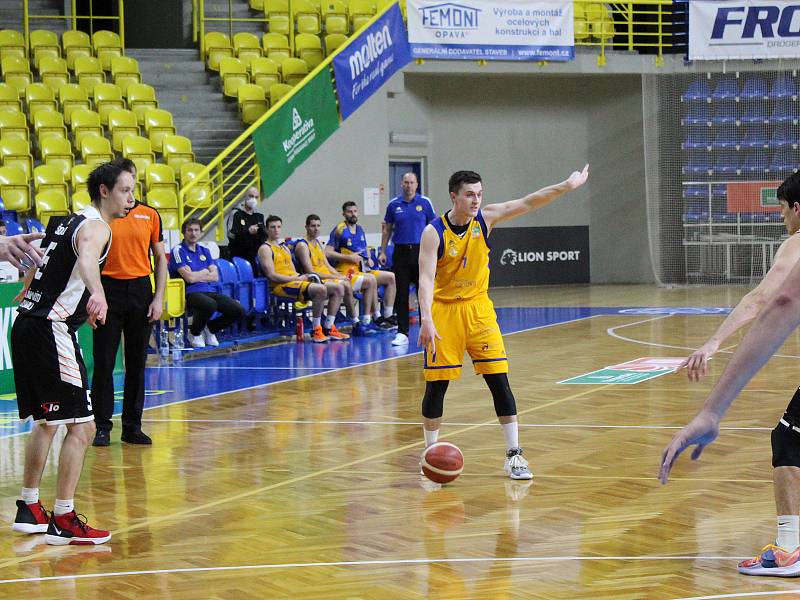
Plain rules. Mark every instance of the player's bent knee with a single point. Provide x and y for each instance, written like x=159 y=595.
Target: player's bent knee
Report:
x=785 y=446
x=504 y=403
x=433 y=400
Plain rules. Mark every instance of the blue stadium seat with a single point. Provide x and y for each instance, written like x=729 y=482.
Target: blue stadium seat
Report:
x=34 y=226
x=724 y=112
x=754 y=88
x=244 y=272
x=755 y=162
x=719 y=190
x=699 y=137
x=697 y=113
x=754 y=114
x=259 y=286
x=699 y=163
x=755 y=137
x=228 y=279
x=726 y=138
x=783 y=87
x=724 y=217
x=783 y=162
x=727 y=164
x=782 y=139
x=692 y=217
x=697 y=90
x=13 y=228
x=727 y=89
x=774 y=217
x=784 y=112
x=695 y=191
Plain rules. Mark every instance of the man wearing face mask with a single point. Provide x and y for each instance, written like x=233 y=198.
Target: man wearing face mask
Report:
x=247 y=230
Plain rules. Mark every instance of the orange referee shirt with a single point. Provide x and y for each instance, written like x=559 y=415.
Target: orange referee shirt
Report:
x=129 y=257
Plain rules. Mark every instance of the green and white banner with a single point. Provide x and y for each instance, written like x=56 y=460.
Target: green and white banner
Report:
x=295 y=131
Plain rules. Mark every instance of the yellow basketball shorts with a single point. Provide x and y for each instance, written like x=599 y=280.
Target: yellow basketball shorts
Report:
x=469 y=327
x=294 y=290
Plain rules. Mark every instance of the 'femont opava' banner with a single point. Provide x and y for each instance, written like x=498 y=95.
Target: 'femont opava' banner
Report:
x=746 y=29
x=370 y=60
x=486 y=30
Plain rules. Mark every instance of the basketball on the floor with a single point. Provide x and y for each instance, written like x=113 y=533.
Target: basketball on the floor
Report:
x=442 y=462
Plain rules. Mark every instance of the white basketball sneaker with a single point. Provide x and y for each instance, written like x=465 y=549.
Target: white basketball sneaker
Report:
x=209 y=338
x=516 y=466
x=196 y=341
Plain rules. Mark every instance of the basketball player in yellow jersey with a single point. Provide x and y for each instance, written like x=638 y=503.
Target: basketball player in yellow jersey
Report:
x=454 y=300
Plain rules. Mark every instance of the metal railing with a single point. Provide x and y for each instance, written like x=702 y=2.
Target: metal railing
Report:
x=199 y=20
x=74 y=17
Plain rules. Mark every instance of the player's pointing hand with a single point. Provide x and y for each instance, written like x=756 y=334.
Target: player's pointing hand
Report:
x=578 y=178
x=701 y=431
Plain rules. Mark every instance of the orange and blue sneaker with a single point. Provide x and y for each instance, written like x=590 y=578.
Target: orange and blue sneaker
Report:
x=335 y=334
x=317 y=335
x=773 y=561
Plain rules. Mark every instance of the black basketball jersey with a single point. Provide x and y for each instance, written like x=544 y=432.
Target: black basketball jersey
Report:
x=57 y=292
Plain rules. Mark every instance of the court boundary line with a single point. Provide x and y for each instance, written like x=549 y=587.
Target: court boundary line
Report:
x=747 y=594
x=378 y=562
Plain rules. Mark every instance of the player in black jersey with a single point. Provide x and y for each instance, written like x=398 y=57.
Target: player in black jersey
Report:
x=49 y=374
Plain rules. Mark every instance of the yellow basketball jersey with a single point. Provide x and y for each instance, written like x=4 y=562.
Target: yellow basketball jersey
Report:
x=317 y=255
x=282 y=259
x=462 y=271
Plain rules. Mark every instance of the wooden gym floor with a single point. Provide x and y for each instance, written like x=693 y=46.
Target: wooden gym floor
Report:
x=310 y=488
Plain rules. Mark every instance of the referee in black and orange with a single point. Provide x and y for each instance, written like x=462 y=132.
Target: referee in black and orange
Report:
x=132 y=309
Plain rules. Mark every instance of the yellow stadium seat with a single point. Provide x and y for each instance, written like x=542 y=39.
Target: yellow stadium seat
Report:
x=157 y=124
x=161 y=199
x=49 y=177
x=79 y=176
x=177 y=150
x=308 y=48
x=13 y=125
x=107 y=97
x=53 y=72
x=252 y=102
x=278 y=91
x=16 y=153
x=294 y=70
x=124 y=71
x=50 y=203
x=277 y=16
x=334 y=14
x=170 y=220
x=139 y=150
x=162 y=178
x=234 y=74
x=85 y=123
x=44 y=43
x=72 y=97
x=9 y=98
x=601 y=23
x=107 y=45
x=246 y=44
x=199 y=195
x=58 y=152
x=12 y=43
x=80 y=199
x=333 y=41
x=218 y=46
x=121 y=123
x=264 y=72
x=16 y=72
x=14 y=189
x=257 y=5
x=174 y=295
x=49 y=124
x=95 y=150
x=75 y=43
x=89 y=72
x=38 y=96
x=276 y=46
x=306 y=17
x=361 y=11
x=141 y=97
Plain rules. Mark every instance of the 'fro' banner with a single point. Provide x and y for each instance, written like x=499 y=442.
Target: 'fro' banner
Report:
x=492 y=30
x=370 y=60
x=295 y=131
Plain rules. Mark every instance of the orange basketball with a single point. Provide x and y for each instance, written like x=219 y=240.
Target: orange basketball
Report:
x=442 y=462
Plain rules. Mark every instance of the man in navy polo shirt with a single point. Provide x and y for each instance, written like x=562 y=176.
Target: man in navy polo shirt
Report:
x=193 y=262
x=406 y=217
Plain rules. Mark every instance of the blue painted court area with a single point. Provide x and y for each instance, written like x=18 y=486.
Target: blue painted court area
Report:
x=202 y=377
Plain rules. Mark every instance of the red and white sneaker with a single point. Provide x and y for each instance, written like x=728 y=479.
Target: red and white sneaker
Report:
x=772 y=561
x=31 y=518
x=71 y=529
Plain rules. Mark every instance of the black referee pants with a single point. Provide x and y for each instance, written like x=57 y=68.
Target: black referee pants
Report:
x=128 y=301
x=405 y=265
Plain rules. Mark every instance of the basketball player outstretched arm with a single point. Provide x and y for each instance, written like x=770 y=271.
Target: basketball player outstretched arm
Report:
x=748 y=308
x=779 y=318
x=90 y=240
x=428 y=251
x=505 y=211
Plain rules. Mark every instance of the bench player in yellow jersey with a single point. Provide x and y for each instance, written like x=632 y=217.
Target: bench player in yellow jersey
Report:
x=456 y=312
x=275 y=260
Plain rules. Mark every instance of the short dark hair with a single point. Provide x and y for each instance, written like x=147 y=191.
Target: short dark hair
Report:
x=459 y=178
x=105 y=174
x=126 y=164
x=189 y=222
x=347 y=205
x=273 y=218
x=312 y=217
x=789 y=190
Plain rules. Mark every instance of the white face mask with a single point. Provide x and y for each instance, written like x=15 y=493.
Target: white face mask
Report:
x=251 y=203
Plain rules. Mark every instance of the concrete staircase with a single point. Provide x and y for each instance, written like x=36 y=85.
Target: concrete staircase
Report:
x=11 y=15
